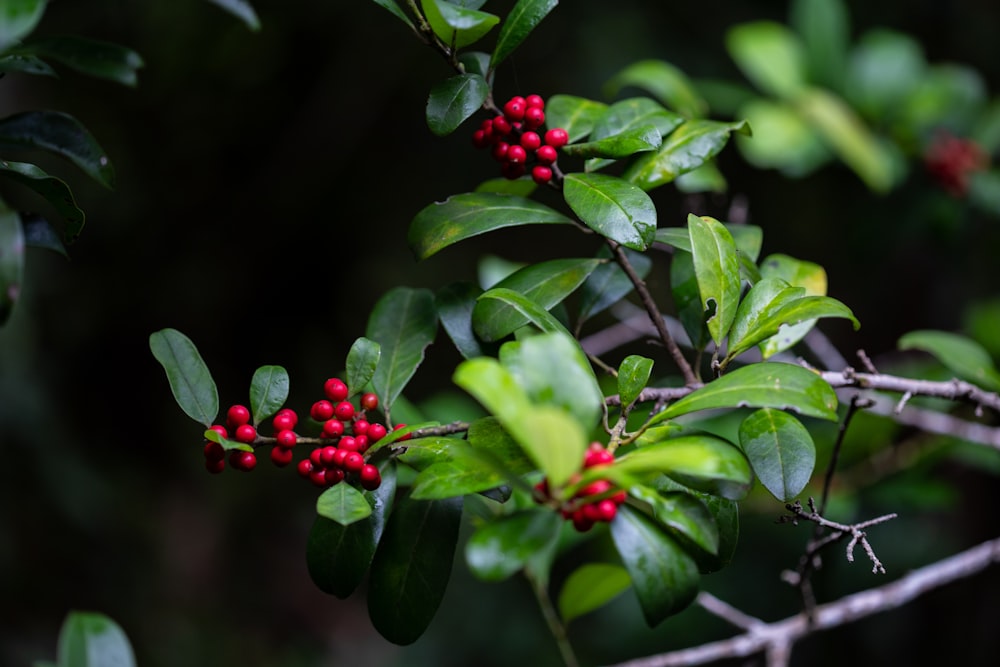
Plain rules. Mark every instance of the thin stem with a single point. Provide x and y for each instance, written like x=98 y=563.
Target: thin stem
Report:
x=552 y=619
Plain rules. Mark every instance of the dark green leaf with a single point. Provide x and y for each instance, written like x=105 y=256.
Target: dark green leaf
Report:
x=763 y=385
x=522 y=19
x=717 y=267
x=546 y=284
x=608 y=283
x=523 y=310
x=687 y=298
x=666 y=82
x=522 y=187
x=26 y=64
x=633 y=375
x=447 y=479
x=702 y=462
x=590 y=587
x=462 y=216
x=665 y=578
x=394 y=9
x=688 y=518
x=242 y=10
x=412 y=566
x=362 y=360
x=457 y=26
x=725 y=514
x=770 y=55
x=576 y=115
x=966 y=358
x=690 y=146
x=39 y=233
x=268 y=392
x=403 y=323
x=780 y=450
x=454 y=304
x=12 y=244
x=189 y=377
x=91 y=639
x=454 y=100
x=503 y=546
x=628 y=142
x=55 y=191
x=18 y=19
x=343 y=504
x=104 y=60
x=477 y=62
x=824 y=28
x=613 y=208
x=635 y=113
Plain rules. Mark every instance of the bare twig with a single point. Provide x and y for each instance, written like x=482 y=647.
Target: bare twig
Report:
x=953 y=390
x=841 y=530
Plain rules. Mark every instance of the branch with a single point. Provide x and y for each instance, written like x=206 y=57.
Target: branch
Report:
x=772 y=638
x=841 y=530
x=953 y=390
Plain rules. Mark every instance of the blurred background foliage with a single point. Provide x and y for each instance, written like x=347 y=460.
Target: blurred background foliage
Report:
x=264 y=185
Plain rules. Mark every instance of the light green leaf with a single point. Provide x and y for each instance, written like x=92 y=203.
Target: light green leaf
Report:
x=446 y=479
x=669 y=84
x=770 y=55
x=268 y=392
x=576 y=115
x=18 y=18
x=780 y=450
x=717 y=267
x=690 y=146
x=590 y=587
x=453 y=100
x=824 y=29
x=706 y=178
x=362 y=360
x=799 y=273
x=403 y=323
x=613 y=208
x=502 y=547
x=633 y=375
x=343 y=504
x=190 y=380
x=963 y=356
x=522 y=19
x=884 y=70
x=91 y=639
x=457 y=26
x=783 y=139
x=701 y=462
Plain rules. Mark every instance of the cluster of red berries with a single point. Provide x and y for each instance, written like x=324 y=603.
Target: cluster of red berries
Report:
x=950 y=160
x=516 y=141
x=597 y=501
x=345 y=436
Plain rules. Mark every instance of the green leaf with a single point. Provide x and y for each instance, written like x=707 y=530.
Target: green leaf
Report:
x=91 y=639
x=242 y=10
x=55 y=191
x=665 y=578
x=189 y=377
x=717 y=267
x=780 y=450
x=824 y=29
x=447 y=479
x=783 y=138
x=454 y=304
x=12 y=246
x=633 y=375
x=702 y=462
x=669 y=84
x=504 y=546
x=462 y=216
x=624 y=130
x=338 y=556
x=966 y=358
x=613 y=208
x=103 y=60
x=457 y=26
x=26 y=64
x=725 y=517
x=763 y=385
x=690 y=146
x=811 y=277
x=706 y=178
x=546 y=284
x=770 y=55
x=885 y=68
x=629 y=142
x=453 y=100
x=412 y=566
x=608 y=283
x=590 y=587
x=343 y=504
x=18 y=19
x=215 y=436
x=268 y=392
x=522 y=19
x=403 y=323
x=523 y=310
x=395 y=10
x=684 y=515
x=362 y=360
x=687 y=298
x=522 y=187
x=576 y=115
x=39 y=233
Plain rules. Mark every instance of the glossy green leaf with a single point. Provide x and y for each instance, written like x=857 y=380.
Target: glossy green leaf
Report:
x=412 y=566
x=403 y=323
x=189 y=377
x=104 y=60
x=343 y=504
x=393 y=8
x=635 y=113
x=457 y=26
x=39 y=233
x=613 y=208
x=807 y=275
x=824 y=29
x=783 y=139
x=664 y=576
x=687 y=298
x=454 y=304
x=522 y=187
x=522 y=19
x=608 y=283
x=55 y=191
x=770 y=55
x=522 y=310
x=268 y=392
x=629 y=142
x=686 y=517
x=338 y=556
x=215 y=436
x=666 y=82
x=748 y=238
x=453 y=100
x=546 y=284
x=502 y=453
x=61 y=134
x=763 y=385
x=12 y=247
x=590 y=587
x=462 y=216
x=702 y=462
x=690 y=146
x=502 y=547
x=725 y=514
x=447 y=479
x=18 y=19
x=242 y=10
x=961 y=355
x=717 y=268
x=780 y=450
x=362 y=360
x=91 y=639
x=576 y=115
x=633 y=376
x=423 y=452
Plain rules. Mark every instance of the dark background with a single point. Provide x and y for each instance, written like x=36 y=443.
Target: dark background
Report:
x=264 y=187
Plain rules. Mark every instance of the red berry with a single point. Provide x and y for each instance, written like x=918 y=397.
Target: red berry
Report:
x=246 y=433
x=221 y=430
x=333 y=428
x=369 y=401
x=375 y=432
x=285 y=420
x=338 y=458
x=353 y=462
x=305 y=467
x=281 y=456
x=500 y=151
x=619 y=498
x=315 y=455
x=215 y=467
x=362 y=443
x=581 y=522
x=237 y=415
x=534 y=101
x=516 y=154
x=318 y=476
x=533 y=118
x=595 y=488
x=543 y=490
x=360 y=426
x=334 y=476
x=546 y=154
x=501 y=127
x=557 y=137
x=370 y=477
x=541 y=174
x=326 y=455
x=214 y=451
x=480 y=139
x=349 y=443
x=344 y=411
x=514 y=109
x=335 y=389
x=405 y=437
x=598 y=457
x=241 y=460
x=606 y=510
x=591 y=513
x=286 y=438
x=531 y=141
x=321 y=410
x=512 y=170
